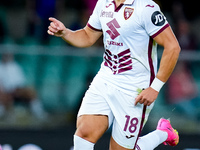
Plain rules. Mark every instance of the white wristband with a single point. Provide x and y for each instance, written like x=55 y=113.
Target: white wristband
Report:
x=157 y=84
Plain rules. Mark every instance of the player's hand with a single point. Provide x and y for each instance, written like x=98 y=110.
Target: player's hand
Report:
x=146 y=97
x=56 y=28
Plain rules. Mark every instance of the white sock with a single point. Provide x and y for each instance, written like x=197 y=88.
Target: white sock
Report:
x=82 y=144
x=151 y=140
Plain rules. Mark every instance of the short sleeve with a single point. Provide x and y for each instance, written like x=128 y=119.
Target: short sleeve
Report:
x=94 y=21
x=153 y=20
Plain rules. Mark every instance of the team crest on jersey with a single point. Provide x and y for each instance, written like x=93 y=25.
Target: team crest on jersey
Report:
x=128 y=12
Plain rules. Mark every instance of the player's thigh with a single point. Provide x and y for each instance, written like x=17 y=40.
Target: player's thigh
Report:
x=115 y=146
x=91 y=127
x=128 y=118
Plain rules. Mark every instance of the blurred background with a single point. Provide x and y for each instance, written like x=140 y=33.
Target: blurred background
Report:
x=43 y=79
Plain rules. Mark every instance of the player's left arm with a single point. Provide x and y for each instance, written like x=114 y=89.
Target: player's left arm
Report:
x=168 y=61
x=170 y=54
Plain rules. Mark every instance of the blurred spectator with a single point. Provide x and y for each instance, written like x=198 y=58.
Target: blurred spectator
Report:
x=13 y=89
x=186 y=39
x=38 y=13
x=11 y=79
x=11 y=76
x=183 y=91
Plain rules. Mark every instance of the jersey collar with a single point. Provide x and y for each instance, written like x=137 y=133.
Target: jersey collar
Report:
x=128 y=2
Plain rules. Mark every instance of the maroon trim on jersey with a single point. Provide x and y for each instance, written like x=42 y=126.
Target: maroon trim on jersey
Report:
x=161 y=30
x=141 y=125
x=152 y=76
x=117 y=8
x=150 y=60
x=91 y=27
x=137 y=147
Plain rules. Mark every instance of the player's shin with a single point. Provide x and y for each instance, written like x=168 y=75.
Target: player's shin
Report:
x=82 y=144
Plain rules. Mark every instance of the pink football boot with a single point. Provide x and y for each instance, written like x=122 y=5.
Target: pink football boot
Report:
x=173 y=138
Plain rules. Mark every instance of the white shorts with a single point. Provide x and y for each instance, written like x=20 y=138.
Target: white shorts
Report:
x=127 y=119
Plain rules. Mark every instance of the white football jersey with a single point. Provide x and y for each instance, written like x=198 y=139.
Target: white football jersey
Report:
x=130 y=58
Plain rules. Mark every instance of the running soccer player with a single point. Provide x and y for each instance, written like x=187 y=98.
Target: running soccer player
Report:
x=125 y=88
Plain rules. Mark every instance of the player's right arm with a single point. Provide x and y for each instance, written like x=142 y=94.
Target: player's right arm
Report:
x=85 y=37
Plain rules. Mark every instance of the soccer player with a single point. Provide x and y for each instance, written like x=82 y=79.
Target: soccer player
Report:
x=125 y=88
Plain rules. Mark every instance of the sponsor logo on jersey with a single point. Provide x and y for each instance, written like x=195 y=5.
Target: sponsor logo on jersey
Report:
x=131 y=136
x=118 y=63
x=108 y=5
x=114 y=43
x=113 y=25
x=107 y=14
x=152 y=6
x=128 y=12
x=158 y=18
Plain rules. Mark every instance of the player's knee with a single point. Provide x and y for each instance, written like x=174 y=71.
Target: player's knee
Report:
x=83 y=131
x=89 y=133
x=91 y=128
